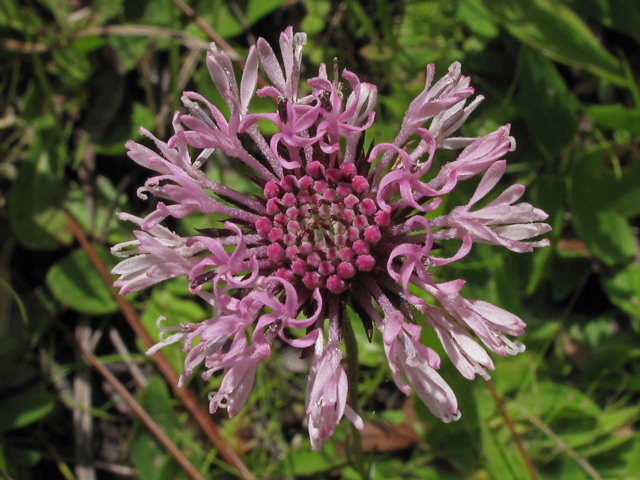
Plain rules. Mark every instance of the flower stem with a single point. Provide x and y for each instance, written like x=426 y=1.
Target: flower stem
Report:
x=351 y=345
x=512 y=430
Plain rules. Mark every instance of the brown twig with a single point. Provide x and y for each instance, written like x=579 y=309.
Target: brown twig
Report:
x=211 y=33
x=82 y=420
x=187 y=397
x=4 y=474
x=512 y=430
x=217 y=39
x=11 y=45
x=152 y=426
x=188 y=65
x=121 y=348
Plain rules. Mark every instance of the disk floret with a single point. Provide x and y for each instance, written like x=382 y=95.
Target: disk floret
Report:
x=323 y=227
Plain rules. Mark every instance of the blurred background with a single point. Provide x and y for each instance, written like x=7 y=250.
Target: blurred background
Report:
x=77 y=79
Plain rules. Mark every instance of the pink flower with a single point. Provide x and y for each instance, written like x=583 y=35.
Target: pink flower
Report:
x=327 y=388
x=239 y=375
x=465 y=353
x=488 y=322
x=160 y=255
x=336 y=121
x=334 y=227
x=412 y=359
x=499 y=222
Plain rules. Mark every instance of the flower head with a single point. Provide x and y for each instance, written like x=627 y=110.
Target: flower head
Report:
x=335 y=226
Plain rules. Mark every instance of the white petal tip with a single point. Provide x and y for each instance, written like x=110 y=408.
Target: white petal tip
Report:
x=300 y=38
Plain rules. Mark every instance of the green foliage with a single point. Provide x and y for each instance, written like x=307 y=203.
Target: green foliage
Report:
x=544 y=95
x=152 y=462
x=623 y=287
x=557 y=31
x=73 y=282
x=178 y=309
x=113 y=143
x=37 y=193
x=25 y=408
x=77 y=81
x=597 y=195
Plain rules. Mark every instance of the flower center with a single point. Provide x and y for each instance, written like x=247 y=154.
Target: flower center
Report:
x=322 y=227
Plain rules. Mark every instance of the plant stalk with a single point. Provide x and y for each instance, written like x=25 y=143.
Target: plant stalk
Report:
x=351 y=345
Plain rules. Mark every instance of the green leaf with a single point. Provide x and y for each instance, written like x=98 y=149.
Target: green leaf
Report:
x=149 y=457
x=72 y=66
x=489 y=275
x=626 y=191
x=34 y=202
x=611 y=420
x=14 y=14
x=615 y=117
x=544 y=95
x=606 y=446
x=25 y=408
x=159 y=13
x=59 y=8
x=506 y=277
x=567 y=275
x=570 y=470
x=75 y=282
x=362 y=19
x=615 y=238
x=306 y=462
x=315 y=19
x=88 y=44
x=549 y=194
x=623 y=288
x=218 y=14
x=106 y=199
x=141 y=116
x=107 y=8
x=177 y=310
x=12 y=375
x=633 y=467
x=612 y=366
x=151 y=460
x=475 y=16
x=625 y=16
x=131 y=50
x=559 y=33
x=599 y=331
x=7 y=296
x=257 y=9
x=390 y=468
x=509 y=374
x=555 y=400
x=377 y=52
x=594 y=192
x=428 y=32
x=503 y=459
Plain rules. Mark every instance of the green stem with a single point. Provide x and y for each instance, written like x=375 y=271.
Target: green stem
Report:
x=351 y=345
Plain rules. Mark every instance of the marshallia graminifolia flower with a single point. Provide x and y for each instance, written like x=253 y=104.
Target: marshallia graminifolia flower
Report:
x=337 y=225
